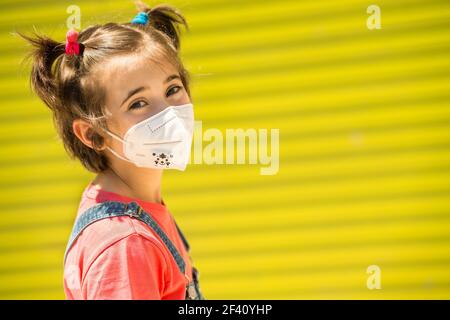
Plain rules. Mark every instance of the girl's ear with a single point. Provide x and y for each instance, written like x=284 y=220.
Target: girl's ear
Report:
x=84 y=131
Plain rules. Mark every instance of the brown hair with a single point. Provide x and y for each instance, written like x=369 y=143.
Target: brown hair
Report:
x=63 y=83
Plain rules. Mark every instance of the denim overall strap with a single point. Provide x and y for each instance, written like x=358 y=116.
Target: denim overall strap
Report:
x=110 y=209
x=185 y=242
x=194 y=286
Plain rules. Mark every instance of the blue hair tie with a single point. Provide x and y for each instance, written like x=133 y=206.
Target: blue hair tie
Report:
x=140 y=18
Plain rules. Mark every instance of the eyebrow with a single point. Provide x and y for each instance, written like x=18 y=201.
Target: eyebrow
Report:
x=137 y=90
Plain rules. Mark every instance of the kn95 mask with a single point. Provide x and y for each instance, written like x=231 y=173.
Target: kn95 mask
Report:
x=162 y=141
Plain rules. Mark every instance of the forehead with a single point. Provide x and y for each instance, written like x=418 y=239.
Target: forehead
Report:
x=121 y=74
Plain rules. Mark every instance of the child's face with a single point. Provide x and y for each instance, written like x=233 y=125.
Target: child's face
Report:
x=137 y=88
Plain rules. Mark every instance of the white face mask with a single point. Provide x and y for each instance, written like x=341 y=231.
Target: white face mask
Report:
x=162 y=141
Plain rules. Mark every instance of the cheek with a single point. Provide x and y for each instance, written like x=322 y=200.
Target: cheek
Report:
x=184 y=97
x=126 y=122
x=119 y=124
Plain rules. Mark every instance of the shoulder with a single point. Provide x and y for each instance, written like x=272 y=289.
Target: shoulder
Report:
x=111 y=235
x=132 y=248
x=129 y=268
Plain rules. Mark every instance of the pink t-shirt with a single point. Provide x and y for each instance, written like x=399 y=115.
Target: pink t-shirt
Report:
x=123 y=258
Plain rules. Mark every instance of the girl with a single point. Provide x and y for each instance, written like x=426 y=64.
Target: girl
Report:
x=121 y=103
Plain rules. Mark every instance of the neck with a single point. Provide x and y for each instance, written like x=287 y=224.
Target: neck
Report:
x=131 y=181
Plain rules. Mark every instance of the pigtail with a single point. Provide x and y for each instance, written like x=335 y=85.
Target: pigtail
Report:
x=166 y=19
x=44 y=55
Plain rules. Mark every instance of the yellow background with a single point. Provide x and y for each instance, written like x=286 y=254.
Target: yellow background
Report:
x=364 y=179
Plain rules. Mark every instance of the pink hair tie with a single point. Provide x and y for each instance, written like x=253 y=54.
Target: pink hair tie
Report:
x=72 y=44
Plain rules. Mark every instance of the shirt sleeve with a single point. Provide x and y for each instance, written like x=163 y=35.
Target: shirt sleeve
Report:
x=131 y=268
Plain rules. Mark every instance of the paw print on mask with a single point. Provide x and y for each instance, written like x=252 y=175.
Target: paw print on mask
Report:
x=162 y=159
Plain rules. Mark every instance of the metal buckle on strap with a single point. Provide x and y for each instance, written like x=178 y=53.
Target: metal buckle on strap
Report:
x=132 y=209
x=136 y=214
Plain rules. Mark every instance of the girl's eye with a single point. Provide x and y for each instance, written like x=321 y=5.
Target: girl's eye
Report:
x=178 y=88
x=138 y=104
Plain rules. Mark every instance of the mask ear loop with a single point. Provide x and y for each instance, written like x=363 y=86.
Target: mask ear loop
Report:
x=118 y=155
x=112 y=151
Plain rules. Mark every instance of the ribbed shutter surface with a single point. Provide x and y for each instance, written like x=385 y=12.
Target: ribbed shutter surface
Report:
x=364 y=175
